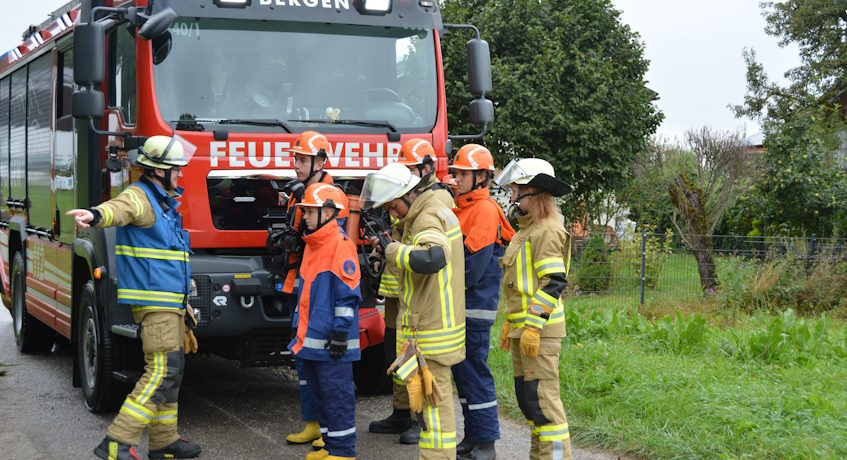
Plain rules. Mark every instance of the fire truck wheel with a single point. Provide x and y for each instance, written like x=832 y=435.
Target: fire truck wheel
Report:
x=31 y=335
x=94 y=355
x=369 y=372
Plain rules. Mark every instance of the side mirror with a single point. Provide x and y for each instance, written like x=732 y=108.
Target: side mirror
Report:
x=479 y=67
x=89 y=54
x=161 y=47
x=481 y=112
x=157 y=24
x=88 y=103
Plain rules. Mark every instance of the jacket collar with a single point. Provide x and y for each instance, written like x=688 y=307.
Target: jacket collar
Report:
x=322 y=235
x=525 y=222
x=467 y=199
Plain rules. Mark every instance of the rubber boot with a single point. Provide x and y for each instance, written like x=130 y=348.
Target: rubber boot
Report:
x=317 y=454
x=399 y=421
x=412 y=435
x=481 y=451
x=465 y=446
x=119 y=450
x=177 y=449
x=310 y=432
x=318 y=444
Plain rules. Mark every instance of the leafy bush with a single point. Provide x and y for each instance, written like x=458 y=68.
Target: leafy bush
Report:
x=681 y=335
x=594 y=270
x=656 y=248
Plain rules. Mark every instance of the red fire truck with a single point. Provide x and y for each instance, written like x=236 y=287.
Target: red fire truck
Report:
x=238 y=79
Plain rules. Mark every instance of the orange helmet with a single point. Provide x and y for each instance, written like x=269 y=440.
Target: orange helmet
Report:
x=415 y=151
x=473 y=157
x=311 y=143
x=320 y=195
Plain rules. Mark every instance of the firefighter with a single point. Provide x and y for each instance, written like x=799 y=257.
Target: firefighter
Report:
x=310 y=152
x=400 y=419
x=535 y=268
x=432 y=309
x=327 y=340
x=418 y=156
x=153 y=272
x=486 y=232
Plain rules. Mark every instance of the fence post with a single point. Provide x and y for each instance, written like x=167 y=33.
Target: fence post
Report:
x=643 y=262
x=811 y=255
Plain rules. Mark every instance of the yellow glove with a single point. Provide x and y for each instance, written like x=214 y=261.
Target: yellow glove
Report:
x=190 y=342
x=530 y=341
x=429 y=384
x=505 y=341
x=430 y=387
x=413 y=386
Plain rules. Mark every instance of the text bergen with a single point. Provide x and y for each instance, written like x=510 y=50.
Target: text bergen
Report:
x=252 y=154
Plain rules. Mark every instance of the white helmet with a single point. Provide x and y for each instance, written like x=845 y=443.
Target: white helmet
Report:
x=534 y=172
x=389 y=183
x=165 y=152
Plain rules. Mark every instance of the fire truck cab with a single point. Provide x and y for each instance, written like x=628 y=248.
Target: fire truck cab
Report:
x=238 y=80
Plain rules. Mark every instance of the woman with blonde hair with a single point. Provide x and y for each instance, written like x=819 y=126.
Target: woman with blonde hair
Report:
x=535 y=268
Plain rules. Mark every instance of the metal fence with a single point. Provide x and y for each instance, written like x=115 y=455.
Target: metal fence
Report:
x=608 y=269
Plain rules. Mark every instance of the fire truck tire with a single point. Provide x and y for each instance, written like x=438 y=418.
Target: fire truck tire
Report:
x=31 y=335
x=95 y=357
x=369 y=372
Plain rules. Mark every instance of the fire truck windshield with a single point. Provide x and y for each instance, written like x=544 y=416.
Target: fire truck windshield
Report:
x=304 y=74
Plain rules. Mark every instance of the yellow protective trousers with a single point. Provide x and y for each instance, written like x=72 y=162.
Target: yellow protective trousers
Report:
x=537 y=392
x=153 y=402
x=438 y=435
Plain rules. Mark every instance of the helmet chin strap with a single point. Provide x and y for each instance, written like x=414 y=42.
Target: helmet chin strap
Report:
x=320 y=216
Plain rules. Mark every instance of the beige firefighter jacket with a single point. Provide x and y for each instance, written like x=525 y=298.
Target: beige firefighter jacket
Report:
x=538 y=250
x=432 y=307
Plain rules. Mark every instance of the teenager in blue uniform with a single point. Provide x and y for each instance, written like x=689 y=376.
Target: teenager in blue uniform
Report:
x=327 y=319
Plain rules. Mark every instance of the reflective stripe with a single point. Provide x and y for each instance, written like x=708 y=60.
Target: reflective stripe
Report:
x=402 y=259
x=558 y=450
x=547 y=266
x=479 y=313
x=151 y=253
x=303 y=382
x=534 y=321
x=543 y=298
x=137 y=411
x=344 y=311
x=165 y=417
x=113 y=450
x=152 y=296
x=431 y=234
x=338 y=434
x=453 y=233
x=525 y=287
x=434 y=438
x=558 y=315
x=320 y=344
x=106 y=214
x=463 y=401
x=324 y=430
x=407 y=369
x=549 y=433
x=436 y=341
x=155 y=379
x=482 y=405
x=444 y=277
x=138 y=208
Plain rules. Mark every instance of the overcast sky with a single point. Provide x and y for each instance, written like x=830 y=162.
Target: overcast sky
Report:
x=694 y=48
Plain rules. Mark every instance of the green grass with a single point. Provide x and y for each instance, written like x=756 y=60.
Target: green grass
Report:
x=704 y=383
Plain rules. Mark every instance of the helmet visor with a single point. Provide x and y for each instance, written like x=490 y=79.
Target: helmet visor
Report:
x=188 y=150
x=380 y=189
x=511 y=174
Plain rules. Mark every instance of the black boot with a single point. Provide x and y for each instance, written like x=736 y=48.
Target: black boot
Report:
x=465 y=446
x=481 y=451
x=178 y=449
x=412 y=435
x=122 y=451
x=396 y=423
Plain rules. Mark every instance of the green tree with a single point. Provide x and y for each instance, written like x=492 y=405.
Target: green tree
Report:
x=803 y=188
x=568 y=86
